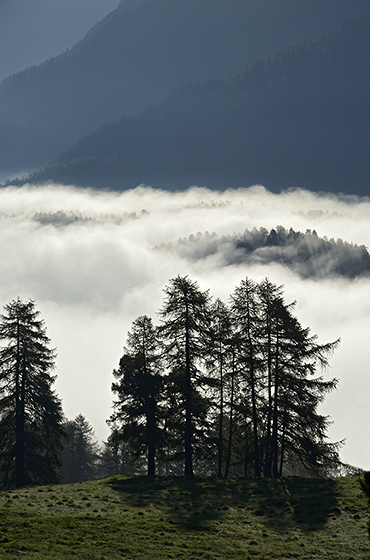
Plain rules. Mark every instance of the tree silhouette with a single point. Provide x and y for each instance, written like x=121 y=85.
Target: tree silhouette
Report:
x=235 y=391
x=138 y=388
x=185 y=317
x=30 y=413
x=80 y=451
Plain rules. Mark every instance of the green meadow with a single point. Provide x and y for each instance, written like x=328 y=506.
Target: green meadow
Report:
x=137 y=518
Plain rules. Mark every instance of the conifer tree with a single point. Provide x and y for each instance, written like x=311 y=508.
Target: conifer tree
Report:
x=185 y=316
x=277 y=360
x=239 y=391
x=31 y=417
x=219 y=361
x=246 y=319
x=112 y=459
x=138 y=389
x=81 y=452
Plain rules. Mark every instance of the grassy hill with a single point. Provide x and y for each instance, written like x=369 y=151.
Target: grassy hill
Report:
x=167 y=517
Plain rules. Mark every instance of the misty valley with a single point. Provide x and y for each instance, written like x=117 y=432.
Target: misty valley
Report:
x=184 y=214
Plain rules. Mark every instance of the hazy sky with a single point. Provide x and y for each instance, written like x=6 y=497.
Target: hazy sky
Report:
x=32 y=31
x=94 y=261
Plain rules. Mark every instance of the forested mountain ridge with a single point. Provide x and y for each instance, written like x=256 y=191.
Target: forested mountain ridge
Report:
x=139 y=54
x=300 y=118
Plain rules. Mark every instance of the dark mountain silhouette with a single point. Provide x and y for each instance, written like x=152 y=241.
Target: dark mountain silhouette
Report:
x=306 y=254
x=298 y=119
x=137 y=55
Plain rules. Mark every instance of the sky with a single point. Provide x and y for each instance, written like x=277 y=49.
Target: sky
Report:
x=31 y=31
x=94 y=261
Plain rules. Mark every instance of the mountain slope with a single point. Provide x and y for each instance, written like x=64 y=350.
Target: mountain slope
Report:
x=299 y=119
x=31 y=32
x=135 y=57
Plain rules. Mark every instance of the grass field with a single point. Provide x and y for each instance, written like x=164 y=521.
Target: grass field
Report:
x=137 y=518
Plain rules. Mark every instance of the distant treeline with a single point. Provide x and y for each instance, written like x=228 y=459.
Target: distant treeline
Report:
x=306 y=254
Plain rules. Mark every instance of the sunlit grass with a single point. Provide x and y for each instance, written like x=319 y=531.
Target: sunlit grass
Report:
x=160 y=518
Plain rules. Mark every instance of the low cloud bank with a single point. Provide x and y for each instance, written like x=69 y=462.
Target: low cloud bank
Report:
x=93 y=261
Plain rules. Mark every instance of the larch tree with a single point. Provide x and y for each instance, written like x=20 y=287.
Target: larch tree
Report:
x=112 y=456
x=185 y=320
x=81 y=451
x=31 y=418
x=220 y=363
x=245 y=310
x=224 y=389
x=138 y=388
x=277 y=361
x=299 y=430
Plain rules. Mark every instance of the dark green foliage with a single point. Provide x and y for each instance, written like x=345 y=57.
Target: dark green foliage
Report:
x=112 y=459
x=220 y=364
x=31 y=428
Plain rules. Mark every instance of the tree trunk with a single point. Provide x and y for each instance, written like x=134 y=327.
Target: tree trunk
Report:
x=282 y=450
x=188 y=403
x=151 y=435
x=19 y=416
x=275 y=447
x=268 y=455
x=220 y=424
x=231 y=419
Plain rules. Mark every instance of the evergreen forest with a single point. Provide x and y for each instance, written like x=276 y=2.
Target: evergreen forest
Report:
x=219 y=93
x=299 y=118
x=215 y=389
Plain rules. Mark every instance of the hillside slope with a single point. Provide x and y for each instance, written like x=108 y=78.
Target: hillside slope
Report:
x=135 y=57
x=168 y=517
x=299 y=119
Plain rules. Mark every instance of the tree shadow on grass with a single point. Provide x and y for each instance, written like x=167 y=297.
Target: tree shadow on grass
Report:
x=305 y=503
x=194 y=503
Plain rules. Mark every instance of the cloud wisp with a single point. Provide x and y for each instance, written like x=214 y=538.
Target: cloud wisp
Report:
x=93 y=261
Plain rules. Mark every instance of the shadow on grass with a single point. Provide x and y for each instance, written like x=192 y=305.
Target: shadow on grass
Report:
x=301 y=502
x=195 y=503
x=190 y=503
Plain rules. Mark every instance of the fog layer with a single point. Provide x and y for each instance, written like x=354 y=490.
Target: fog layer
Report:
x=94 y=261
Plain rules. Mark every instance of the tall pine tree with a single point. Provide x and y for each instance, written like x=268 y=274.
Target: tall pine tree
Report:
x=185 y=316
x=31 y=430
